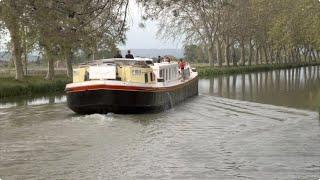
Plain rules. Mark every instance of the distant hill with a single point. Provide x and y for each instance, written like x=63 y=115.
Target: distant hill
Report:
x=150 y=53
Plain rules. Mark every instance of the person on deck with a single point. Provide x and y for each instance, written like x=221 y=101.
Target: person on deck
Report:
x=118 y=55
x=159 y=59
x=167 y=59
x=129 y=55
x=181 y=67
x=181 y=64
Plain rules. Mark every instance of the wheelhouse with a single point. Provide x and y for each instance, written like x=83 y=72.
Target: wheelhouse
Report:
x=166 y=72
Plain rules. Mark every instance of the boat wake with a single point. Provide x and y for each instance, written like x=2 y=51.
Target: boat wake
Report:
x=204 y=137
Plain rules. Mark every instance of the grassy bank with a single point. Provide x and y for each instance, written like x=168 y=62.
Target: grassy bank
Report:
x=207 y=71
x=32 y=85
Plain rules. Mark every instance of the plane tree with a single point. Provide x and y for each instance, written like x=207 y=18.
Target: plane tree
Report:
x=198 y=21
x=13 y=16
x=61 y=28
x=64 y=27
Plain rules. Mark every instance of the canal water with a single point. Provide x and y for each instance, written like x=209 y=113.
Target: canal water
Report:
x=218 y=135
x=296 y=87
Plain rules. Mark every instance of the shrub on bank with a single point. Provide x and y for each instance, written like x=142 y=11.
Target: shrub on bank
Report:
x=10 y=87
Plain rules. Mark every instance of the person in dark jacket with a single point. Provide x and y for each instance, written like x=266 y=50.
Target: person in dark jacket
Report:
x=129 y=55
x=159 y=59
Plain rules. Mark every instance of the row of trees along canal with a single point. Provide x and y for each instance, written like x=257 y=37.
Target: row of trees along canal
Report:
x=241 y=32
x=257 y=31
x=59 y=29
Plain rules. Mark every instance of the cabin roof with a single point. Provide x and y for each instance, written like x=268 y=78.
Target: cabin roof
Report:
x=142 y=62
x=120 y=61
x=165 y=65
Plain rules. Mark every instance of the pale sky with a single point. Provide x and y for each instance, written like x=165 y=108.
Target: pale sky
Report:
x=144 y=38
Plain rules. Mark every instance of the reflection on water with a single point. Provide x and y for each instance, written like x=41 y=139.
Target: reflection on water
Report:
x=5 y=105
x=32 y=101
x=297 y=87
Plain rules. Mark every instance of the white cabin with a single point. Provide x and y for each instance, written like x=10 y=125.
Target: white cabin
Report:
x=140 y=70
x=166 y=72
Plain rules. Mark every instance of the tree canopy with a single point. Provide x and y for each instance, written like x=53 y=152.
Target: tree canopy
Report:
x=276 y=30
x=60 y=28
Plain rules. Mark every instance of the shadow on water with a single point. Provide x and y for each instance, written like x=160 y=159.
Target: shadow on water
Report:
x=296 y=87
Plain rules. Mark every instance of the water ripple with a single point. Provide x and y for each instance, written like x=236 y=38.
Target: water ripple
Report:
x=203 y=138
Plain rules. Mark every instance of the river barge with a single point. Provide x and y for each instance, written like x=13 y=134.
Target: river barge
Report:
x=132 y=86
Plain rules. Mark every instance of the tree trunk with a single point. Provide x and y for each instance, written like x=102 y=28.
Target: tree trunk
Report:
x=93 y=55
x=289 y=54
x=309 y=55
x=243 y=60
x=11 y=19
x=266 y=54
x=250 y=53
x=257 y=55
x=294 y=57
x=219 y=56
x=69 y=59
x=25 y=52
x=227 y=52
x=313 y=55
x=234 y=56
x=17 y=51
x=210 y=55
x=50 y=72
x=278 y=52
x=261 y=55
x=297 y=52
x=25 y=64
x=285 y=55
x=271 y=55
x=305 y=54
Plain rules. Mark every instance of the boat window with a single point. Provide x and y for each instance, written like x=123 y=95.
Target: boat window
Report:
x=166 y=70
x=175 y=72
x=172 y=74
x=146 y=77
x=161 y=73
x=149 y=62
x=151 y=77
x=136 y=72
